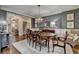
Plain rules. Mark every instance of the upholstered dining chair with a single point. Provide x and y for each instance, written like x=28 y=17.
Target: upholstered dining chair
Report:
x=60 y=42
x=35 y=36
x=29 y=35
x=41 y=41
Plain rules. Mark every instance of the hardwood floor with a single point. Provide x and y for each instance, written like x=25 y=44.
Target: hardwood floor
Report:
x=6 y=51
x=10 y=51
x=14 y=51
x=19 y=38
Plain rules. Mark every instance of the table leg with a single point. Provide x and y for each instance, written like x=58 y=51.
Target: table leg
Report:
x=48 y=45
x=54 y=38
x=52 y=45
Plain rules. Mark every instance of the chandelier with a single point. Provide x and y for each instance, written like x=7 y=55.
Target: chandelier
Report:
x=39 y=16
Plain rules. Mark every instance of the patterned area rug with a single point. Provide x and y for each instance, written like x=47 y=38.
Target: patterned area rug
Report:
x=24 y=48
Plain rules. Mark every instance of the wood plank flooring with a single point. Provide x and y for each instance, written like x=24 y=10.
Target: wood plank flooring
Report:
x=10 y=51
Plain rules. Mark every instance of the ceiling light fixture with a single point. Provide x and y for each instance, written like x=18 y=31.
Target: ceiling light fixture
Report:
x=39 y=16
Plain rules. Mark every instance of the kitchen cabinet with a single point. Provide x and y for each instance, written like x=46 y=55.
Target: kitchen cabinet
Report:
x=4 y=40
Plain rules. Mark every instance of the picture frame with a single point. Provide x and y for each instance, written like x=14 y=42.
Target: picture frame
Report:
x=70 y=17
x=70 y=24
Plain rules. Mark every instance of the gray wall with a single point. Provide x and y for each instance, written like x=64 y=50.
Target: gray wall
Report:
x=60 y=23
x=2 y=15
x=77 y=19
x=61 y=19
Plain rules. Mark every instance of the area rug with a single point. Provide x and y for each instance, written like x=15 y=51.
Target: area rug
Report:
x=24 y=48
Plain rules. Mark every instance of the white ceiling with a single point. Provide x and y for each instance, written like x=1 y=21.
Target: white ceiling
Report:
x=33 y=10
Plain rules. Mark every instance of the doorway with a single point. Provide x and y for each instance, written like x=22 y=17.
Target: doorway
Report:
x=24 y=29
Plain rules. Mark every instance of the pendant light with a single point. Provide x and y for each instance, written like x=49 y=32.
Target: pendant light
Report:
x=39 y=17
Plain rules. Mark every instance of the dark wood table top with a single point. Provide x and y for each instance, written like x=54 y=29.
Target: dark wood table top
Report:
x=46 y=34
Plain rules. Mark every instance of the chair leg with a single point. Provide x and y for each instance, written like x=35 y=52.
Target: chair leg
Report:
x=32 y=43
x=52 y=46
x=36 y=45
x=64 y=51
x=40 y=46
x=64 y=48
x=27 y=37
x=53 y=49
x=46 y=43
x=29 y=41
x=48 y=46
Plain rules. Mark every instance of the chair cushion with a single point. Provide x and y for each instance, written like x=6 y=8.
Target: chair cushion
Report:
x=60 y=43
x=76 y=37
x=73 y=37
x=55 y=42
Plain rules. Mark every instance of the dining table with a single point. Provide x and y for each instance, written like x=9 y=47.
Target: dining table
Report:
x=48 y=36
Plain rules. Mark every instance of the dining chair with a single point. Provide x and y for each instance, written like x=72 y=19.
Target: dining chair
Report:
x=35 y=37
x=60 y=42
x=41 y=41
x=29 y=35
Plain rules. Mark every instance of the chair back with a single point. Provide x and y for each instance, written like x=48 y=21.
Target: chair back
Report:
x=66 y=35
x=29 y=31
